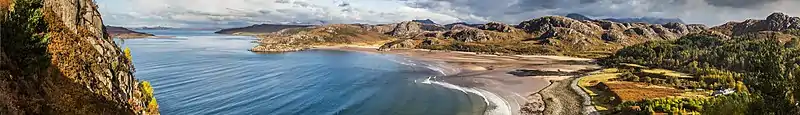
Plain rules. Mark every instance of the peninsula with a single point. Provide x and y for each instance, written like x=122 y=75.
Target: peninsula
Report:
x=125 y=33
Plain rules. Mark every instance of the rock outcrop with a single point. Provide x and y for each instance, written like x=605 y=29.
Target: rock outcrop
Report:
x=125 y=33
x=496 y=26
x=412 y=29
x=777 y=22
x=65 y=63
x=400 y=44
x=601 y=32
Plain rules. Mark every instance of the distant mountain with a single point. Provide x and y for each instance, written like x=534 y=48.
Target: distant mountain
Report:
x=153 y=28
x=125 y=33
x=450 y=26
x=426 y=21
x=577 y=16
x=259 y=29
x=649 y=20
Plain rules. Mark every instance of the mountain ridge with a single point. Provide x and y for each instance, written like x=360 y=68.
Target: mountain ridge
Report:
x=125 y=33
x=553 y=35
x=258 y=29
x=649 y=20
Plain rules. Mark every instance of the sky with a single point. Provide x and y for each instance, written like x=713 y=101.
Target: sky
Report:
x=237 y=13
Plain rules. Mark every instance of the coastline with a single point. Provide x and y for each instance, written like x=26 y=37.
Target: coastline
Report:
x=488 y=75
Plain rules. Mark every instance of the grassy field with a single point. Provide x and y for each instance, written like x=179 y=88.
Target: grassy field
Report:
x=600 y=99
x=630 y=91
x=666 y=73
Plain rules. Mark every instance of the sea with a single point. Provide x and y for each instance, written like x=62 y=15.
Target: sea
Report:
x=195 y=72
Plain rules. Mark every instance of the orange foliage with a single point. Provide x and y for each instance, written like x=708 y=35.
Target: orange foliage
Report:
x=632 y=91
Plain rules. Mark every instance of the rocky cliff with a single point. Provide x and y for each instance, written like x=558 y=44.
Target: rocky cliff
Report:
x=125 y=33
x=56 y=58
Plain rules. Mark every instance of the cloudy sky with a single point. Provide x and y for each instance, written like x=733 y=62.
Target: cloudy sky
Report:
x=232 y=13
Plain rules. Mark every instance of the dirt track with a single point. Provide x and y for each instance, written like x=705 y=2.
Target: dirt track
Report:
x=560 y=99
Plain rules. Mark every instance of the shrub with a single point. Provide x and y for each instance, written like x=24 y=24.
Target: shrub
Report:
x=24 y=36
x=127 y=52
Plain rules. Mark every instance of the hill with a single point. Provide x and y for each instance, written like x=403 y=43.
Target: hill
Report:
x=258 y=29
x=552 y=35
x=125 y=33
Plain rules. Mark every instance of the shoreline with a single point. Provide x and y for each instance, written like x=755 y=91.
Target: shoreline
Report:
x=489 y=74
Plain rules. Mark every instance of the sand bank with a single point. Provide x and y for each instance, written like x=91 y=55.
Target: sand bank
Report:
x=491 y=73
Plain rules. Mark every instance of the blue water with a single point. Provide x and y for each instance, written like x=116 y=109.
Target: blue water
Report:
x=198 y=72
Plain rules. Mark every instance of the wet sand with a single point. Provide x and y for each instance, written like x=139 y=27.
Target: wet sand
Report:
x=491 y=73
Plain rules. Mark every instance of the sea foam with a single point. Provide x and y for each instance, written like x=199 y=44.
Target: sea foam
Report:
x=496 y=105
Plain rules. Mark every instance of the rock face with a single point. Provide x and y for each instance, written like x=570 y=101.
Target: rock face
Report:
x=411 y=29
x=125 y=33
x=79 y=70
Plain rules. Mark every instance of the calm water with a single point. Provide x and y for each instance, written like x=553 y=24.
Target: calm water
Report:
x=198 y=72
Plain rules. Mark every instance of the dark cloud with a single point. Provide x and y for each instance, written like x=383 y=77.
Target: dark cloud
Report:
x=239 y=12
x=282 y=1
x=694 y=11
x=344 y=4
x=740 y=3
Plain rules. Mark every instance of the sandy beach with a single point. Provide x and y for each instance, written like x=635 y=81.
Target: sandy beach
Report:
x=523 y=95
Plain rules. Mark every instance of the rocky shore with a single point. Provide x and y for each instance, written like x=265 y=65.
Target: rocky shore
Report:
x=525 y=95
